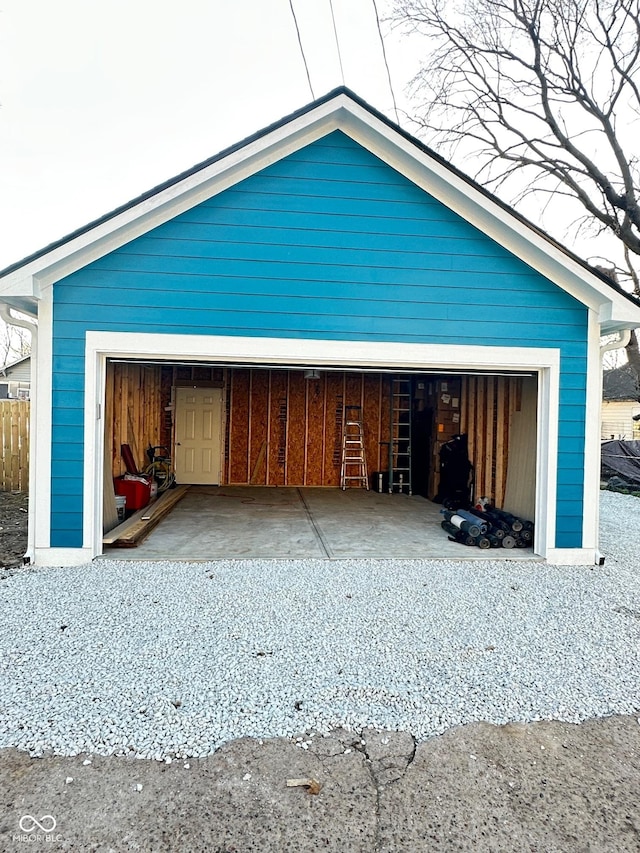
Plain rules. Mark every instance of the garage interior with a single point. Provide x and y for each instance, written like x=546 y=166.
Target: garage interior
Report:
x=273 y=487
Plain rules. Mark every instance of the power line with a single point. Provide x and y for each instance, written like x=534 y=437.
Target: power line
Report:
x=335 y=33
x=304 y=58
x=384 y=55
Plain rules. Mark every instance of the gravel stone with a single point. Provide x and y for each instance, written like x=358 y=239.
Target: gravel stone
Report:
x=170 y=660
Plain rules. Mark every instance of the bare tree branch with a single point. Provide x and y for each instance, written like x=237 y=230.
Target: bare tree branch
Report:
x=546 y=93
x=15 y=343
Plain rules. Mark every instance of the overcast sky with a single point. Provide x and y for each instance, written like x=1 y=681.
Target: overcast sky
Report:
x=101 y=101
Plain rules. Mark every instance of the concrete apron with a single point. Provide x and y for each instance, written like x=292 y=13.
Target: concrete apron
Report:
x=257 y=522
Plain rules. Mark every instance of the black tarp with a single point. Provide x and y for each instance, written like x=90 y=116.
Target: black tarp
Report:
x=621 y=459
x=456 y=473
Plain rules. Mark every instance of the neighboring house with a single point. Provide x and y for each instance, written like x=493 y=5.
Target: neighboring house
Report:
x=620 y=405
x=15 y=379
x=331 y=244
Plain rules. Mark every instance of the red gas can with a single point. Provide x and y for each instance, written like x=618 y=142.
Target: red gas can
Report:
x=136 y=492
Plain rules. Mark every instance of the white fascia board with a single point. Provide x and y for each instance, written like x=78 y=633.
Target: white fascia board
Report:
x=19 y=284
x=617 y=315
x=24 y=304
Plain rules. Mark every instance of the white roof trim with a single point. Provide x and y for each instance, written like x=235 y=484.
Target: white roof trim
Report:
x=338 y=113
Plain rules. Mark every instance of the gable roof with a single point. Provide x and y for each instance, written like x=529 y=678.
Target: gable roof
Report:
x=22 y=283
x=11 y=367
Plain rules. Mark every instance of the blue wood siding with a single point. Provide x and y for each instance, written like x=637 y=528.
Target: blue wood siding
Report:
x=328 y=243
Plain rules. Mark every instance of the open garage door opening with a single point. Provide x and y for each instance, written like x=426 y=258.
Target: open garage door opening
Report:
x=284 y=427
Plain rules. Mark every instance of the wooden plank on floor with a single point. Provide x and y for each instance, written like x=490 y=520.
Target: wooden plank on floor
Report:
x=135 y=529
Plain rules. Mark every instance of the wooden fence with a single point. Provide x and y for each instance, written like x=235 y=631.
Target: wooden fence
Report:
x=14 y=440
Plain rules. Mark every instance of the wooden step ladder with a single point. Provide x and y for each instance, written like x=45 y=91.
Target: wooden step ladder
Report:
x=353 y=470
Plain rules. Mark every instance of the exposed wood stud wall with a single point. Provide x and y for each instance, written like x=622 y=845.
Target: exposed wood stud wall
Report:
x=480 y=439
x=487 y=406
x=268 y=427
x=247 y=411
x=490 y=423
x=239 y=427
x=134 y=411
x=166 y=399
x=257 y=408
x=339 y=403
x=468 y=413
x=500 y=470
x=228 y=410
x=520 y=487
x=324 y=425
x=277 y=421
x=297 y=428
x=317 y=429
x=138 y=409
x=306 y=434
x=288 y=429
x=371 y=418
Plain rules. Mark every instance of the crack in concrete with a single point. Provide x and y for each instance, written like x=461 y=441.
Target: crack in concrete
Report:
x=357 y=744
x=412 y=756
x=361 y=746
x=380 y=766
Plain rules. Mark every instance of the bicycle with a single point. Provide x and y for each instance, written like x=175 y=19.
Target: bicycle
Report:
x=160 y=467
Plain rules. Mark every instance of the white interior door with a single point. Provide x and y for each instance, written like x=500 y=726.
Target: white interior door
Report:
x=198 y=438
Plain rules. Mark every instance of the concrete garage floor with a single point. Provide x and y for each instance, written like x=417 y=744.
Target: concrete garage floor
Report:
x=253 y=522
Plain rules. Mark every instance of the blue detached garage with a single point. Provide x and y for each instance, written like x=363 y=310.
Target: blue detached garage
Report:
x=329 y=260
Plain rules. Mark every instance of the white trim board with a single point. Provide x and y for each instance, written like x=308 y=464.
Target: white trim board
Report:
x=592 y=443
x=239 y=349
x=572 y=556
x=343 y=113
x=286 y=351
x=62 y=557
x=40 y=453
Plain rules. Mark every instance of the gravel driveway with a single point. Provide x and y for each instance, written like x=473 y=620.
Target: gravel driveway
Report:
x=171 y=660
